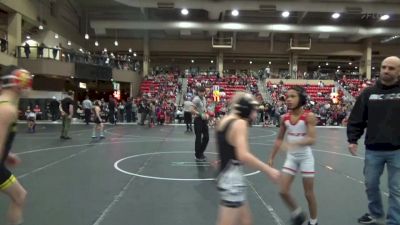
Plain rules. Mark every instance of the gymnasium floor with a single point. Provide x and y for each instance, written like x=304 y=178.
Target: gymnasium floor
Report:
x=148 y=176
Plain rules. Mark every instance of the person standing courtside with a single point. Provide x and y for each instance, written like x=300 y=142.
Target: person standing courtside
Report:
x=187 y=114
x=67 y=110
x=199 y=109
x=87 y=107
x=378 y=109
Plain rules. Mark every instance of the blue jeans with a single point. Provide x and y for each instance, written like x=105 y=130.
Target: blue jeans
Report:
x=374 y=165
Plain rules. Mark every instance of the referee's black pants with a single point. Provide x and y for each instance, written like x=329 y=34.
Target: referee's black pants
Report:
x=87 y=116
x=201 y=131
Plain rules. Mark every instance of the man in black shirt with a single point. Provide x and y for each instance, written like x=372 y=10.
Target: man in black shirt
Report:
x=128 y=110
x=67 y=110
x=54 y=109
x=378 y=110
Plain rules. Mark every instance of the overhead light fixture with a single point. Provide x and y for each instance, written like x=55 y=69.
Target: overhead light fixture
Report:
x=288 y=63
x=86 y=33
x=105 y=50
x=69 y=43
x=338 y=67
x=56 y=36
x=72 y=77
x=96 y=43
x=116 y=43
x=134 y=54
x=390 y=39
x=41 y=27
x=192 y=61
x=286 y=14
x=384 y=17
x=212 y=61
x=33 y=75
x=251 y=62
x=373 y=68
x=350 y=63
x=335 y=15
x=269 y=62
x=235 y=12
x=28 y=37
x=184 y=11
x=356 y=67
x=337 y=70
x=130 y=50
x=319 y=66
x=80 y=49
x=327 y=63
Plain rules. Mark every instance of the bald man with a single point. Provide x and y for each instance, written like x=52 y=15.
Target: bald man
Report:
x=378 y=110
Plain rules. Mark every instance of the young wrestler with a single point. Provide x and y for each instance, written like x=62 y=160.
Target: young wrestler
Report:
x=299 y=125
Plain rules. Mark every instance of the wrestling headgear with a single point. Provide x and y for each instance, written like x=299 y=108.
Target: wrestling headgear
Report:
x=244 y=103
x=15 y=77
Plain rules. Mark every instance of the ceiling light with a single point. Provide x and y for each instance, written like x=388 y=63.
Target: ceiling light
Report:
x=33 y=75
x=285 y=14
x=212 y=61
x=87 y=36
x=335 y=15
x=385 y=17
x=116 y=43
x=319 y=66
x=130 y=50
x=105 y=49
x=327 y=64
x=235 y=12
x=72 y=77
x=356 y=67
x=269 y=62
x=184 y=12
x=192 y=61
x=390 y=39
x=80 y=49
x=69 y=43
x=338 y=67
x=134 y=54
x=373 y=67
x=350 y=63
x=251 y=62
x=56 y=36
x=96 y=43
x=28 y=37
x=41 y=27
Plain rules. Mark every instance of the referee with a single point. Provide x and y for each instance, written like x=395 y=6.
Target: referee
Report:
x=199 y=110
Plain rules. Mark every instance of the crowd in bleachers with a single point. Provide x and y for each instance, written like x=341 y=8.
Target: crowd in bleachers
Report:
x=157 y=101
x=121 y=61
x=355 y=86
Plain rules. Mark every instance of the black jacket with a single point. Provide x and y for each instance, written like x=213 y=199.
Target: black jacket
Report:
x=377 y=109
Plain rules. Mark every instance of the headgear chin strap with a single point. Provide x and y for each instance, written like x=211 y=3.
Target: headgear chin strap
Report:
x=18 y=78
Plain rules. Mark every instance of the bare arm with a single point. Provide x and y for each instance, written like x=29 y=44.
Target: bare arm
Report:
x=97 y=111
x=278 y=141
x=309 y=139
x=7 y=116
x=71 y=110
x=238 y=136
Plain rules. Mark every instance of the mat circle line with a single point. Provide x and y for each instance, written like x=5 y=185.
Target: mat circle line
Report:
x=116 y=166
